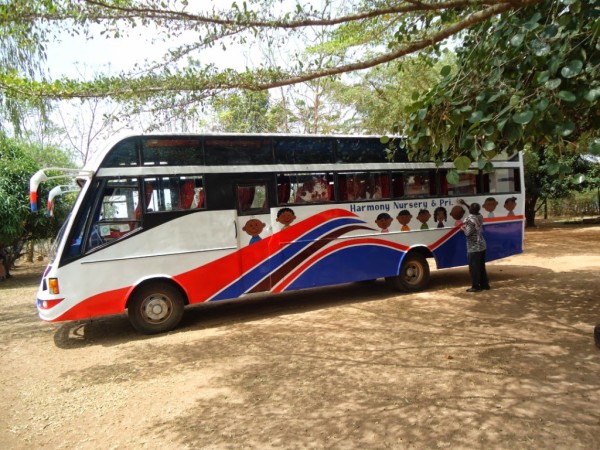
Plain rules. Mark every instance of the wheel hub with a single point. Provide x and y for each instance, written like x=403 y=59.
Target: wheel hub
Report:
x=156 y=308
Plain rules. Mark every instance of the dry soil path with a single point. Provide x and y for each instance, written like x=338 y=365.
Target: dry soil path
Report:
x=356 y=366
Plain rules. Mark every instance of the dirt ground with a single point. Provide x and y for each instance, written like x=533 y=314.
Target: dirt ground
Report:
x=356 y=366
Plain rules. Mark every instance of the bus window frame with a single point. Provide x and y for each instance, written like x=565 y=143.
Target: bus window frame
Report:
x=265 y=209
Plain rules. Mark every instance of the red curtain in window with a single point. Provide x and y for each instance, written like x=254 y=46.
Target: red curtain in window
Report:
x=148 y=195
x=398 y=185
x=201 y=198
x=384 y=181
x=245 y=197
x=283 y=192
x=443 y=184
x=343 y=187
x=186 y=194
x=432 y=184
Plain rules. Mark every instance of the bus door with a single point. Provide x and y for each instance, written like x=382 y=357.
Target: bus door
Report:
x=253 y=225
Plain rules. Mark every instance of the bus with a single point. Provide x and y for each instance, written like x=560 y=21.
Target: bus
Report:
x=163 y=221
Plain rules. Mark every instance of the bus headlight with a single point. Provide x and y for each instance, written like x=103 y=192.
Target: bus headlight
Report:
x=47 y=304
x=53 y=286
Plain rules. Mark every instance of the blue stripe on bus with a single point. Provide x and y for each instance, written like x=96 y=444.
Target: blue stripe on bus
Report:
x=274 y=261
x=502 y=239
x=352 y=263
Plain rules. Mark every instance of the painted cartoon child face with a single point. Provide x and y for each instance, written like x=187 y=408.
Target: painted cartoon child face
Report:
x=404 y=217
x=490 y=204
x=254 y=227
x=423 y=216
x=457 y=212
x=384 y=221
x=510 y=204
x=286 y=216
x=440 y=215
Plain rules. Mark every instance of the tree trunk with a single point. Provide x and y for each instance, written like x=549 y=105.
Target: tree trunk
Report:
x=30 y=251
x=530 y=202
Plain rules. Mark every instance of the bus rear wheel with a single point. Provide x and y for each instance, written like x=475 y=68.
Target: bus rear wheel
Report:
x=414 y=274
x=156 y=308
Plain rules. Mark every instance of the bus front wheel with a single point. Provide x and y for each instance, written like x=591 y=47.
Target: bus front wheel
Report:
x=156 y=308
x=414 y=274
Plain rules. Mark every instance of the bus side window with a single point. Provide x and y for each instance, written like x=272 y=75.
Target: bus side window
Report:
x=363 y=186
x=175 y=193
x=252 y=199
x=117 y=213
x=467 y=184
x=502 y=180
x=418 y=184
x=311 y=188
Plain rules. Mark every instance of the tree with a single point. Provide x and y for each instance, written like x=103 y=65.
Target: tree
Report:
x=379 y=97
x=542 y=183
x=18 y=225
x=525 y=79
x=244 y=112
x=390 y=29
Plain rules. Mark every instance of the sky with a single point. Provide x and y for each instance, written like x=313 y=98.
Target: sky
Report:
x=74 y=57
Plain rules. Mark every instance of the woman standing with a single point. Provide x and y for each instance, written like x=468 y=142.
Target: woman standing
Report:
x=473 y=227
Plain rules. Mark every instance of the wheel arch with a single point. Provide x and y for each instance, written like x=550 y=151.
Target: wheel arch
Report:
x=156 y=279
x=413 y=271
x=421 y=249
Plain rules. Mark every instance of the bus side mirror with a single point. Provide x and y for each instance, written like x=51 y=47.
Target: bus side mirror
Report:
x=34 y=182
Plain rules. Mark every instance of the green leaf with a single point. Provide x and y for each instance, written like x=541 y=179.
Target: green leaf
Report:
x=466 y=142
x=384 y=139
x=542 y=77
x=501 y=123
x=476 y=116
x=550 y=31
x=552 y=168
x=489 y=167
x=489 y=129
x=592 y=94
x=565 y=128
x=445 y=142
x=452 y=177
x=542 y=104
x=553 y=84
x=517 y=39
x=523 y=117
x=446 y=70
x=489 y=146
x=572 y=69
x=594 y=147
x=540 y=48
x=462 y=163
x=566 y=96
x=533 y=22
x=512 y=132
x=495 y=97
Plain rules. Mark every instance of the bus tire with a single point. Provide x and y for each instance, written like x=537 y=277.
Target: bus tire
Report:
x=156 y=308
x=414 y=274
